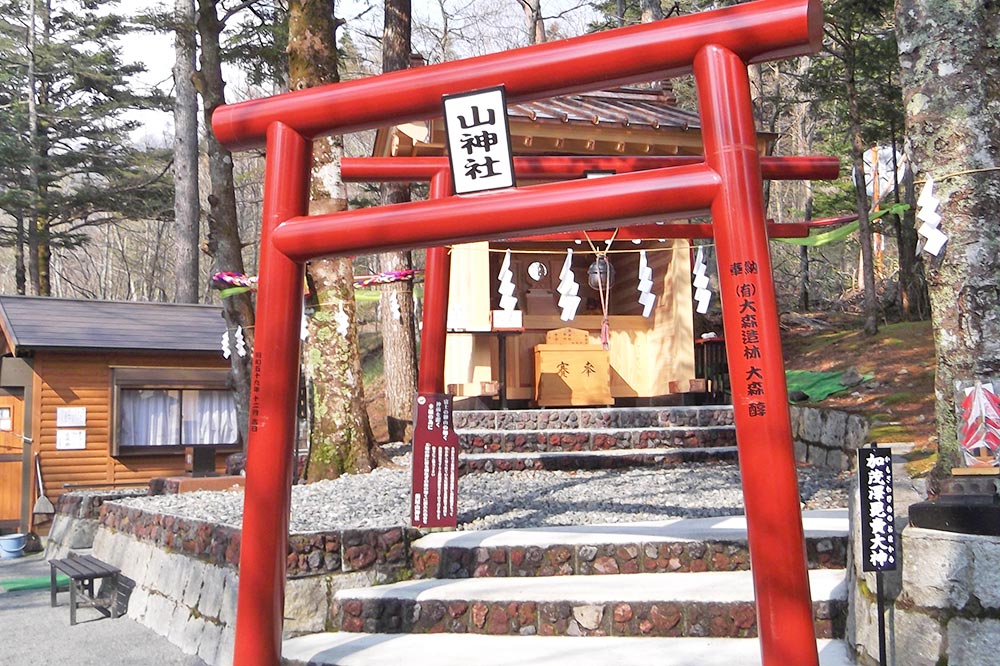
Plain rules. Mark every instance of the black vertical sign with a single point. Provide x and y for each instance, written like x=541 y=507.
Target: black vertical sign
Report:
x=880 y=552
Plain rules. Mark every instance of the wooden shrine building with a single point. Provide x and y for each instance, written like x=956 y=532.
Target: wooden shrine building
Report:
x=647 y=357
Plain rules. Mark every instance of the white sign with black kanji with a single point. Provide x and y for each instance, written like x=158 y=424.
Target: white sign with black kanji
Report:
x=479 y=149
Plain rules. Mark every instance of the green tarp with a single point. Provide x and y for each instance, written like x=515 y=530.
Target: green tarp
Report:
x=36 y=583
x=817 y=385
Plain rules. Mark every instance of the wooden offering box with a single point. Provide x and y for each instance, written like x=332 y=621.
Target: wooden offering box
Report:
x=569 y=371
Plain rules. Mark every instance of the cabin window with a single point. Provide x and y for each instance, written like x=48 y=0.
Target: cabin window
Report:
x=157 y=410
x=6 y=419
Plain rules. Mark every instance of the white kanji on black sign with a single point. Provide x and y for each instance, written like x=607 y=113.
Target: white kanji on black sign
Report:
x=479 y=148
x=878 y=532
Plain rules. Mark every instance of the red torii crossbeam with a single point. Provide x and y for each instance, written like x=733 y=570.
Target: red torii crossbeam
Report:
x=716 y=46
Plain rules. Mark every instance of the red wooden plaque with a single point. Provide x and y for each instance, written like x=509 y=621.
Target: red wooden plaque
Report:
x=434 y=493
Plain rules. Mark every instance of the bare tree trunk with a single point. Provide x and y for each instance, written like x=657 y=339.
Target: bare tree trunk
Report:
x=396 y=312
x=914 y=303
x=19 y=275
x=536 y=22
x=341 y=439
x=867 y=268
x=804 y=254
x=651 y=10
x=949 y=64
x=38 y=254
x=186 y=206
x=224 y=244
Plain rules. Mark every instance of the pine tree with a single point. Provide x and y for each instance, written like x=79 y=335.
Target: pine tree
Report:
x=69 y=165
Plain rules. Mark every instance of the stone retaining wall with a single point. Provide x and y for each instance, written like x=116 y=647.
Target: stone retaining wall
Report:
x=827 y=437
x=185 y=574
x=943 y=607
x=385 y=553
x=77 y=518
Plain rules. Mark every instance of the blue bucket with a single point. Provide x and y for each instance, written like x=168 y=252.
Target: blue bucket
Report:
x=12 y=545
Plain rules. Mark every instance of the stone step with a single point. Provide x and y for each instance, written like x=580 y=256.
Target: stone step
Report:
x=660 y=546
x=603 y=417
x=471 y=463
x=595 y=439
x=716 y=604
x=355 y=649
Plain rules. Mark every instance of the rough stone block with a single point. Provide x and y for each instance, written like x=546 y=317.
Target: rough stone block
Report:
x=811 y=429
x=834 y=428
x=191 y=635
x=857 y=432
x=795 y=416
x=306 y=605
x=227 y=643
x=937 y=568
x=172 y=573
x=194 y=579
x=137 y=604
x=227 y=611
x=985 y=570
x=917 y=639
x=973 y=642
x=213 y=584
x=138 y=556
x=208 y=648
x=159 y=611
x=836 y=459
x=179 y=619
x=801 y=450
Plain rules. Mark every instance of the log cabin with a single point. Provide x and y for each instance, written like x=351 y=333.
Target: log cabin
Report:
x=106 y=395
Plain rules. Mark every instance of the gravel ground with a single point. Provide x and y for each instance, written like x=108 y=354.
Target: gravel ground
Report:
x=512 y=499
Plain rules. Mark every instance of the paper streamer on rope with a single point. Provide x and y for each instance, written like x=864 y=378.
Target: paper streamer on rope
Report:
x=506 y=276
x=702 y=295
x=933 y=238
x=568 y=289
x=241 y=343
x=646 y=297
x=226 y=351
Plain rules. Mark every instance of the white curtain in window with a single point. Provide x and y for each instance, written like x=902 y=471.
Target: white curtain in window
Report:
x=149 y=417
x=209 y=417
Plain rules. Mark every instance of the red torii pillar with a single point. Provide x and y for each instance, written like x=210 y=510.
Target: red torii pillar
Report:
x=719 y=43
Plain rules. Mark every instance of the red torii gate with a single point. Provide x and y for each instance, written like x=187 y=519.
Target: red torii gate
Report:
x=716 y=46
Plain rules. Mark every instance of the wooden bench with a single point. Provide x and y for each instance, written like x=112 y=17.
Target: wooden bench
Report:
x=83 y=571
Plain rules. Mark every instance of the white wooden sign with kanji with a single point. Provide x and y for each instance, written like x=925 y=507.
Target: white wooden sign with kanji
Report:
x=479 y=150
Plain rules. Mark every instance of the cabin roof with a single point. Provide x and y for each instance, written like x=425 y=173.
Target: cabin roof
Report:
x=32 y=323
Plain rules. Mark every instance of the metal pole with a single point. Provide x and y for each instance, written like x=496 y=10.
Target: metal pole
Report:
x=880 y=601
x=271 y=444
x=756 y=366
x=437 y=277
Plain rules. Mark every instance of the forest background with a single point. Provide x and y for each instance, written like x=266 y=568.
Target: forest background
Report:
x=94 y=205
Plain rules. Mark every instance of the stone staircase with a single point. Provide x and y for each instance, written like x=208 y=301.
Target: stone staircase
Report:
x=573 y=439
x=671 y=592
x=665 y=592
